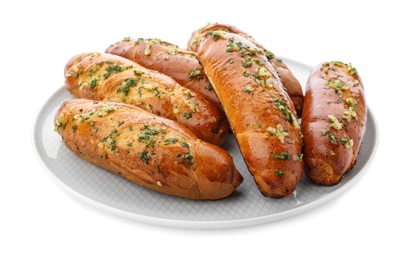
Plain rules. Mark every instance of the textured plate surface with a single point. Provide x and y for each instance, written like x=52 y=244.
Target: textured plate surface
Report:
x=245 y=207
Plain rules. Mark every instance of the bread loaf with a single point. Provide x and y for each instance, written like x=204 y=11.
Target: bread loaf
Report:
x=169 y=59
x=152 y=151
x=102 y=76
x=334 y=121
x=261 y=114
x=289 y=81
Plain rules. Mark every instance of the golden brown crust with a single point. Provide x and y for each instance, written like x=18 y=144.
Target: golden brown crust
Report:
x=149 y=150
x=333 y=122
x=169 y=59
x=289 y=81
x=111 y=77
x=261 y=114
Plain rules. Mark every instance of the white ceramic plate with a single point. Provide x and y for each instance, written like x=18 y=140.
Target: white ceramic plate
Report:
x=244 y=207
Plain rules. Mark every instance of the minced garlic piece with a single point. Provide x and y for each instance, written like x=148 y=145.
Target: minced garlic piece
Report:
x=348 y=114
x=86 y=115
x=212 y=119
x=149 y=108
x=347 y=142
x=175 y=109
x=106 y=109
x=264 y=72
x=334 y=123
x=192 y=105
x=147 y=50
x=278 y=132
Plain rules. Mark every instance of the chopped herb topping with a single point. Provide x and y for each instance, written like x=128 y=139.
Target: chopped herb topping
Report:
x=247 y=62
x=278 y=132
x=217 y=34
x=351 y=70
x=281 y=105
x=269 y=55
x=185 y=158
x=337 y=85
x=74 y=128
x=93 y=83
x=347 y=142
x=138 y=72
x=283 y=156
x=106 y=109
x=280 y=173
x=144 y=157
x=334 y=122
x=187 y=115
x=350 y=112
x=112 y=69
x=170 y=141
x=195 y=73
x=209 y=87
x=331 y=134
x=148 y=136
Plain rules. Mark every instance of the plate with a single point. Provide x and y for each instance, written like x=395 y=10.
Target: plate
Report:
x=245 y=207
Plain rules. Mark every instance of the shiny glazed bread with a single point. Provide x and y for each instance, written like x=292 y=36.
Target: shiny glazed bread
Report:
x=261 y=114
x=289 y=81
x=152 y=151
x=169 y=59
x=103 y=76
x=333 y=122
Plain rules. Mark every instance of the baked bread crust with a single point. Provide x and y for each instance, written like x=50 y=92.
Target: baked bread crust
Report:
x=334 y=121
x=261 y=114
x=169 y=59
x=289 y=81
x=152 y=151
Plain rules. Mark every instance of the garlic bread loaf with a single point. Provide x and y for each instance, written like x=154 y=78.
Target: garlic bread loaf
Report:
x=169 y=59
x=103 y=76
x=289 y=81
x=334 y=121
x=152 y=151
x=261 y=114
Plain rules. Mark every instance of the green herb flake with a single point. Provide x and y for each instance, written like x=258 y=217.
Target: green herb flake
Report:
x=280 y=173
x=187 y=115
x=247 y=62
x=331 y=134
x=195 y=73
x=144 y=157
x=170 y=141
x=112 y=69
x=93 y=83
x=209 y=87
x=217 y=34
x=283 y=156
x=269 y=55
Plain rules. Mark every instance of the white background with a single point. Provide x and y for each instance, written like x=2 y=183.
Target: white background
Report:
x=38 y=220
